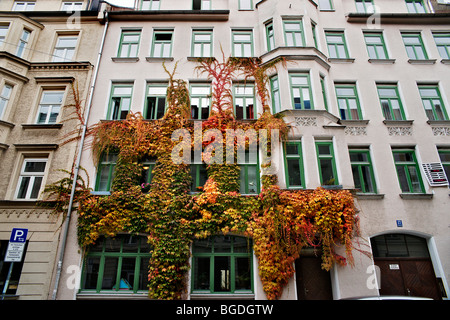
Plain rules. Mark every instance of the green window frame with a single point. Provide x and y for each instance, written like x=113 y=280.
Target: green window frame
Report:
x=325 y=5
x=202 y=45
x=293 y=33
x=199 y=175
x=414 y=46
x=376 y=46
x=105 y=172
x=415 y=6
x=148 y=164
x=155 y=104
x=117 y=265
x=442 y=41
x=242 y=43
x=390 y=101
x=222 y=265
x=275 y=91
x=408 y=171
x=362 y=169
x=337 y=45
x=245 y=4
x=324 y=92
x=150 y=4
x=270 y=36
x=200 y=101
x=120 y=101
x=129 y=44
x=364 y=6
x=293 y=163
x=432 y=102
x=348 y=102
x=301 y=91
x=444 y=156
x=244 y=101
x=249 y=174
x=314 y=34
x=326 y=162
x=162 y=44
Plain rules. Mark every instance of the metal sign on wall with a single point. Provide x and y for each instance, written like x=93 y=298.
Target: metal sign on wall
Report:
x=16 y=245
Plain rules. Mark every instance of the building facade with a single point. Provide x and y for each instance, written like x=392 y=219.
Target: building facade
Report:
x=47 y=51
x=365 y=93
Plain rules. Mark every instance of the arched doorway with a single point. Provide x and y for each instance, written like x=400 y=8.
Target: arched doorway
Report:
x=405 y=266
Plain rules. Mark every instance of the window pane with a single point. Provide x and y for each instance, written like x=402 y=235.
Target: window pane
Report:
x=202 y=246
x=293 y=167
x=113 y=244
x=414 y=177
x=130 y=244
x=110 y=273
x=241 y=245
x=367 y=179
x=222 y=244
x=143 y=274
x=201 y=273
x=127 y=274
x=243 y=274
x=222 y=281
x=23 y=187
x=36 y=187
x=326 y=168
x=402 y=178
x=31 y=166
x=91 y=270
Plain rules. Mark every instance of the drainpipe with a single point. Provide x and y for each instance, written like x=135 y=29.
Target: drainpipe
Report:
x=77 y=163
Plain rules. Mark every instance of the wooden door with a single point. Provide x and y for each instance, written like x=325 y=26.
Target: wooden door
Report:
x=408 y=277
x=312 y=282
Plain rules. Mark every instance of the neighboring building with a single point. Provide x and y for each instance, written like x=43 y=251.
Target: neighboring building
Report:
x=45 y=48
x=365 y=92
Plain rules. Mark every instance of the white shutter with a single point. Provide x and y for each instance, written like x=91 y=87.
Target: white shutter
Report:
x=435 y=174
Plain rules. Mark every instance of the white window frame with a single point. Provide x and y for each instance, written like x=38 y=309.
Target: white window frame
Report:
x=68 y=52
x=51 y=106
x=23 y=42
x=32 y=176
x=4 y=98
x=72 y=6
x=28 y=5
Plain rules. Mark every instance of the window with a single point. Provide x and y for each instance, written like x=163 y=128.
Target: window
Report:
x=391 y=105
x=414 y=46
x=3 y=32
x=105 y=172
x=150 y=4
x=64 y=48
x=202 y=43
x=129 y=44
x=442 y=42
x=293 y=33
x=147 y=171
x=301 y=92
x=50 y=106
x=162 y=44
x=116 y=265
x=275 y=88
x=325 y=5
x=324 y=92
x=314 y=33
x=120 y=102
x=375 y=45
x=415 y=6
x=348 y=101
x=200 y=101
x=362 y=170
x=72 y=6
x=5 y=95
x=270 y=37
x=4 y=269
x=23 y=42
x=244 y=102
x=408 y=171
x=245 y=4
x=326 y=162
x=399 y=245
x=337 y=47
x=433 y=103
x=23 y=6
x=444 y=155
x=242 y=43
x=294 y=165
x=222 y=264
x=364 y=6
x=30 y=178
x=201 y=5
x=156 y=101
x=199 y=176
x=249 y=174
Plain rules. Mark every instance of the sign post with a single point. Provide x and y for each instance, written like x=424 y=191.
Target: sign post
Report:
x=14 y=252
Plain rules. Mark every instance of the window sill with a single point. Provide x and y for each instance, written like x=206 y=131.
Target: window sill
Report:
x=195 y=59
x=42 y=126
x=422 y=61
x=159 y=59
x=341 y=60
x=382 y=61
x=332 y=186
x=101 y=193
x=398 y=122
x=369 y=196
x=222 y=296
x=416 y=196
x=112 y=296
x=445 y=61
x=125 y=59
x=354 y=122
x=6 y=124
x=439 y=122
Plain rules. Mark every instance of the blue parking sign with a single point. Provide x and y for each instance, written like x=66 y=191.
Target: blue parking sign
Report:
x=18 y=235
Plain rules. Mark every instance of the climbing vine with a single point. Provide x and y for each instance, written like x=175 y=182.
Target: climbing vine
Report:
x=280 y=222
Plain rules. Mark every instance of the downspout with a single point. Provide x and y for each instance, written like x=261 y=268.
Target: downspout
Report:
x=78 y=161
